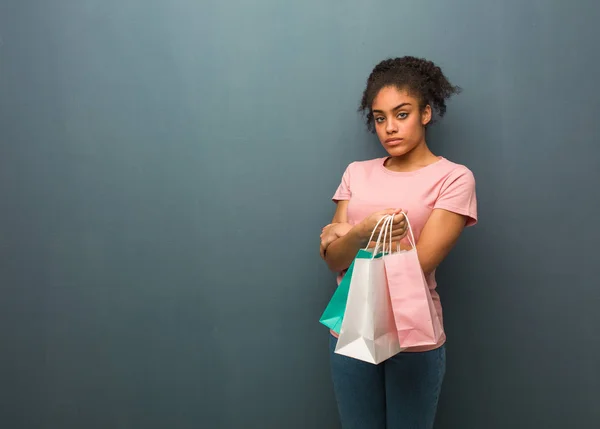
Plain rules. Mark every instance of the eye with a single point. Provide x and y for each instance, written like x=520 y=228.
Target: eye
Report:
x=379 y=119
x=402 y=115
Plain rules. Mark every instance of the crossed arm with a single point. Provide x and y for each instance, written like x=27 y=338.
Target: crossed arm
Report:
x=340 y=241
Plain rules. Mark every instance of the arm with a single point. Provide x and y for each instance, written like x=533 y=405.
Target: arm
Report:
x=455 y=208
x=438 y=237
x=340 y=251
x=332 y=232
x=345 y=237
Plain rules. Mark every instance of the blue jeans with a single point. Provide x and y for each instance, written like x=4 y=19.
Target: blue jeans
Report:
x=400 y=393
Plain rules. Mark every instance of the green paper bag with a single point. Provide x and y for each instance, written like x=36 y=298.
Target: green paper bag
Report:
x=334 y=312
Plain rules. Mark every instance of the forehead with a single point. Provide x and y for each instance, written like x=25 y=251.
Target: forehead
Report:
x=389 y=97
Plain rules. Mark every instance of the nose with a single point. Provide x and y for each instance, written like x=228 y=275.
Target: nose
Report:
x=391 y=127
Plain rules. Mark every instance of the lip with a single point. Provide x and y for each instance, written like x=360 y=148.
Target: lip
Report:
x=394 y=141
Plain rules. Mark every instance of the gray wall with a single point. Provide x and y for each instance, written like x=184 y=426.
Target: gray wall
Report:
x=165 y=168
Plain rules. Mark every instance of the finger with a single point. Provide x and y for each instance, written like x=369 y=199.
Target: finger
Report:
x=326 y=230
x=399 y=227
x=326 y=241
x=399 y=220
x=399 y=236
x=398 y=232
x=381 y=231
x=329 y=235
x=322 y=249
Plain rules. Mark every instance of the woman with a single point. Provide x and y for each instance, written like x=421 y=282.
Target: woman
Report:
x=400 y=100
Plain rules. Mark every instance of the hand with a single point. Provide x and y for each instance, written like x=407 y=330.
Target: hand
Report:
x=396 y=246
x=399 y=225
x=332 y=232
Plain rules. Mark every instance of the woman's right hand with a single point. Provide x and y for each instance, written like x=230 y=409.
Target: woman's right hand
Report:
x=399 y=225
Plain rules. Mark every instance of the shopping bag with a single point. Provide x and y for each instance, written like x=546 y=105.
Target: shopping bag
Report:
x=368 y=332
x=333 y=315
x=415 y=316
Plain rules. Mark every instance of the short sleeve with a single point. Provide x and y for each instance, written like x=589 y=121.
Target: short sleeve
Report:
x=343 y=192
x=458 y=195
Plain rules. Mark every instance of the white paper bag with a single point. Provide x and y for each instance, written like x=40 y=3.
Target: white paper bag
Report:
x=368 y=330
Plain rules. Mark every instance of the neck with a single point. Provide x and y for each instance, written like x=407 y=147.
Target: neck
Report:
x=419 y=157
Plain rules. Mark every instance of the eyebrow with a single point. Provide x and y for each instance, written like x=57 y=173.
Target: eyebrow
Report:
x=395 y=108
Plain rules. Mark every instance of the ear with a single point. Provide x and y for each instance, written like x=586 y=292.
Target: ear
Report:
x=426 y=115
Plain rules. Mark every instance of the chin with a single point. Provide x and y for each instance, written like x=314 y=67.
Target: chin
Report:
x=397 y=150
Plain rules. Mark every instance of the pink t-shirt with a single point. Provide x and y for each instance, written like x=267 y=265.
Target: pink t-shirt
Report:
x=370 y=186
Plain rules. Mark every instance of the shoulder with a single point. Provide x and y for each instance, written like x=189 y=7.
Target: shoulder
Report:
x=456 y=191
x=449 y=172
x=364 y=165
x=356 y=173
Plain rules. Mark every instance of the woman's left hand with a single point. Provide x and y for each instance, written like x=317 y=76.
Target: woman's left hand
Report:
x=332 y=232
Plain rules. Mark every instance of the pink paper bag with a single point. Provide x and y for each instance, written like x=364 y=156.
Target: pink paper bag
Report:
x=416 y=319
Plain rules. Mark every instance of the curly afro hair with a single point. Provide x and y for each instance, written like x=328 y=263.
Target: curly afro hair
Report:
x=419 y=77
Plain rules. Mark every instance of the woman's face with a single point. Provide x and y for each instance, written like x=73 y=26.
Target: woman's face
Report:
x=399 y=121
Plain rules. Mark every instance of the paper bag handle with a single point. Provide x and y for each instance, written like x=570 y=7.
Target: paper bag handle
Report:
x=410 y=235
x=384 y=229
x=375 y=229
